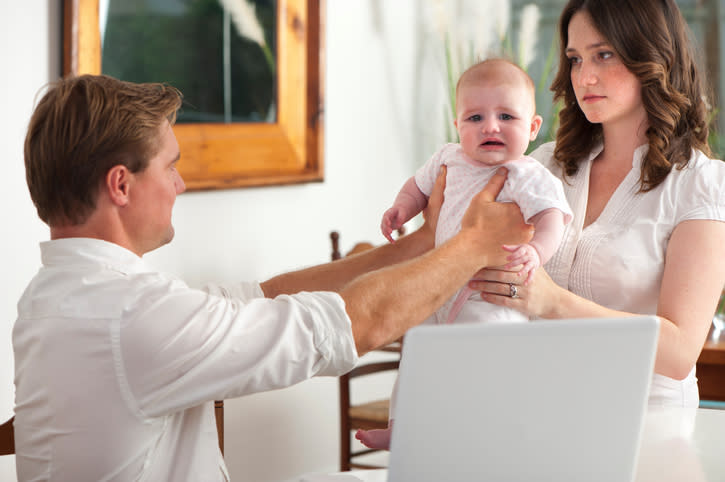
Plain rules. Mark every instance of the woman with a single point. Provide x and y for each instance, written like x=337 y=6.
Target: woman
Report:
x=647 y=235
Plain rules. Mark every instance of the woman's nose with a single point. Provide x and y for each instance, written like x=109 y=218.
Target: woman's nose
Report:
x=587 y=74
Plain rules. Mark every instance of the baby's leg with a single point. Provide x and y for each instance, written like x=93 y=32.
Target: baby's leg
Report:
x=458 y=303
x=376 y=438
x=380 y=438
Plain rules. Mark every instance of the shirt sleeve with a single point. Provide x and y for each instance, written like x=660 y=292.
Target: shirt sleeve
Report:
x=425 y=176
x=241 y=291
x=535 y=189
x=703 y=190
x=178 y=347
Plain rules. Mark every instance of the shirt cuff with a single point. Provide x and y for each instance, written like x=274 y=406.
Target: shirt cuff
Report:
x=333 y=337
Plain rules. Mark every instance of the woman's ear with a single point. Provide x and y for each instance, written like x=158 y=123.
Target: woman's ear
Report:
x=118 y=184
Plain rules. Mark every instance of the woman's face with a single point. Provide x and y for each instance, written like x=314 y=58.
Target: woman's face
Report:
x=606 y=91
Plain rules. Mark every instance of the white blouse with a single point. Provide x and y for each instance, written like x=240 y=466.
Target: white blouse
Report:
x=618 y=260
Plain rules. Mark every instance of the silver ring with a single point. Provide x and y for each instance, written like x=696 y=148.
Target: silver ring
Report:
x=513 y=291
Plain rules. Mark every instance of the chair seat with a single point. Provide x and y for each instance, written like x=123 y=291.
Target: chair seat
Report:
x=370 y=415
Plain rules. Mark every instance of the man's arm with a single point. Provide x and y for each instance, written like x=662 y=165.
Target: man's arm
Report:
x=333 y=276
x=383 y=304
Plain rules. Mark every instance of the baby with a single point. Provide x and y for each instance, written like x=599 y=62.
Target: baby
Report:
x=496 y=119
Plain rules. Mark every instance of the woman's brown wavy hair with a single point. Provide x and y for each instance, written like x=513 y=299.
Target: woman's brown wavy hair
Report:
x=653 y=41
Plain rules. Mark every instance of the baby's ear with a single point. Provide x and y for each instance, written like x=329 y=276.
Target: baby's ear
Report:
x=535 y=126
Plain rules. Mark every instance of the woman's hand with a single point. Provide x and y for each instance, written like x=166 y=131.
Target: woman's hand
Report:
x=538 y=299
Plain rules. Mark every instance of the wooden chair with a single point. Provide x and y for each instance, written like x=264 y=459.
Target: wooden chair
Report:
x=711 y=370
x=367 y=415
x=7 y=432
x=219 y=415
x=7 y=438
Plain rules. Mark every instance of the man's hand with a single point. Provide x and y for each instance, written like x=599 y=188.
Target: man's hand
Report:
x=494 y=223
x=383 y=304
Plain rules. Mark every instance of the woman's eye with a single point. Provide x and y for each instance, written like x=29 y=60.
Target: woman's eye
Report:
x=574 y=60
x=606 y=55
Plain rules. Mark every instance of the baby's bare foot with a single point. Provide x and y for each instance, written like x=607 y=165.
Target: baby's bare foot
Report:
x=375 y=439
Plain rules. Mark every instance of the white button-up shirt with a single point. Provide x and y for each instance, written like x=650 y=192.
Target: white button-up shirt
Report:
x=116 y=365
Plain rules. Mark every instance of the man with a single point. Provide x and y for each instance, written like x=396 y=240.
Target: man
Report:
x=117 y=365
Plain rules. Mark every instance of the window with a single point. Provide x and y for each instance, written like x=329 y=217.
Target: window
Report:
x=283 y=148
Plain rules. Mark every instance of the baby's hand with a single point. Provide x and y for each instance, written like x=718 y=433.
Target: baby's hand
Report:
x=391 y=221
x=526 y=256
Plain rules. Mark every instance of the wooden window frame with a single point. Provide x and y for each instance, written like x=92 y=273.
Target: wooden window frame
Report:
x=222 y=156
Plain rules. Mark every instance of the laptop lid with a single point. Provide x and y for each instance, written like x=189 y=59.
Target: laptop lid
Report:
x=552 y=400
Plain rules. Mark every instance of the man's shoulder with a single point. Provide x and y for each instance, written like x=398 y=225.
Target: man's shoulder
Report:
x=91 y=291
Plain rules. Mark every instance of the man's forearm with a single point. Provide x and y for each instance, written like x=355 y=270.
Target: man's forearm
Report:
x=335 y=275
x=384 y=304
x=394 y=287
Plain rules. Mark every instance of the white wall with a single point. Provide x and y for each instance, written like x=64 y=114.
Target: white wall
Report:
x=373 y=143
x=28 y=52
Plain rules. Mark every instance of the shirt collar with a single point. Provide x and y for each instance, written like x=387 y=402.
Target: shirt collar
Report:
x=639 y=154
x=91 y=252
x=637 y=157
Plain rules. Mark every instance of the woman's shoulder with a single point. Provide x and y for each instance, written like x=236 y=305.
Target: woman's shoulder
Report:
x=700 y=159
x=544 y=151
x=545 y=155
x=703 y=168
x=698 y=189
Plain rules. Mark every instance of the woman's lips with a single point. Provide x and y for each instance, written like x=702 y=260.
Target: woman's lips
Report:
x=592 y=98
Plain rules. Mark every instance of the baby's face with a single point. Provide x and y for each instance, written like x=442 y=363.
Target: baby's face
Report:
x=496 y=120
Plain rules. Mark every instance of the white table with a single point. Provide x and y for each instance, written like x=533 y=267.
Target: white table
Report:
x=678 y=445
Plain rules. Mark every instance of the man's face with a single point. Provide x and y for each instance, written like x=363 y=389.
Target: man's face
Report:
x=152 y=196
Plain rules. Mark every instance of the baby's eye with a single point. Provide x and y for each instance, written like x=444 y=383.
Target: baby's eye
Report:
x=506 y=117
x=475 y=118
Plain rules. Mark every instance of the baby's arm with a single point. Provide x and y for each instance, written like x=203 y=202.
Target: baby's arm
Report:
x=409 y=202
x=549 y=225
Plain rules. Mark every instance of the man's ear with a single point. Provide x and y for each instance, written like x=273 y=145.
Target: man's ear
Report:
x=118 y=184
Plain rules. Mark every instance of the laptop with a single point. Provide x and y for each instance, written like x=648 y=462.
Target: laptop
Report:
x=559 y=400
